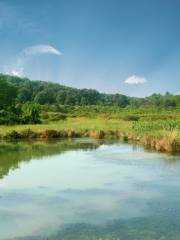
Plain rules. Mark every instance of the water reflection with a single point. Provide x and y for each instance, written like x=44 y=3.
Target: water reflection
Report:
x=12 y=153
x=84 y=189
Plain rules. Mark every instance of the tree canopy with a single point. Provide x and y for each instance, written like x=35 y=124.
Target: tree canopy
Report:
x=8 y=93
x=22 y=90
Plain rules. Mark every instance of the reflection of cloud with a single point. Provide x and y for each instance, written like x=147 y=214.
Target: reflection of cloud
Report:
x=135 y=80
x=28 y=53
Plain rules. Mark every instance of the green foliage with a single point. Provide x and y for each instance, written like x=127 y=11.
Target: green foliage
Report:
x=45 y=96
x=10 y=111
x=150 y=126
x=8 y=93
x=24 y=101
x=30 y=113
x=52 y=93
x=13 y=135
x=8 y=117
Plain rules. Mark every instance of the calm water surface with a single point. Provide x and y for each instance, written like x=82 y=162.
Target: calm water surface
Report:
x=87 y=190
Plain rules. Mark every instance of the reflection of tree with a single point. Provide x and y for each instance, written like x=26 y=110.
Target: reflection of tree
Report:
x=11 y=154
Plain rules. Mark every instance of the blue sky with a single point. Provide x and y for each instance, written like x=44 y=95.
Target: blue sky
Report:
x=126 y=46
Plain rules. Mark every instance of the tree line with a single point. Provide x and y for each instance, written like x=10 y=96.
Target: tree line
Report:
x=52 y=93
x=21 y=99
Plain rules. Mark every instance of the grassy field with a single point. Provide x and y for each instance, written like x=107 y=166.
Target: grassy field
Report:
x=149 y=129
x=80 y=123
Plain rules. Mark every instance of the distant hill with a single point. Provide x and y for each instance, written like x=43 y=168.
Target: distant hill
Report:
x=52 y=93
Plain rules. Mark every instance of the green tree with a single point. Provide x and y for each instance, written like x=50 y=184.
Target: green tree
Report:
x=45 y=96
x=8 y=94
x=61 y=97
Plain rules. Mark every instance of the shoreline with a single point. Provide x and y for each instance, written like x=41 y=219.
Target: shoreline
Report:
x=167 y=144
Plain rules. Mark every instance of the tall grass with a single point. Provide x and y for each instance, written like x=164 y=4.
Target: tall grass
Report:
x=148 y=128
x=77 y=124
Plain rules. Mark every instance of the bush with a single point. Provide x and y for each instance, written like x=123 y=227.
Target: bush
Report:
x=13 y=135
x=30 y=113
x=9 y=117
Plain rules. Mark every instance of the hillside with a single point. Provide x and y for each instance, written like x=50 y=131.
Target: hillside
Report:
x=52 y=93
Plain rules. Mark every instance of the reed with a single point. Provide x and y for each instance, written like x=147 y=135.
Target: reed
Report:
x=161 y=135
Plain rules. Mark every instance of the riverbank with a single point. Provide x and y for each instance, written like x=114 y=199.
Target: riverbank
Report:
x=158 y=135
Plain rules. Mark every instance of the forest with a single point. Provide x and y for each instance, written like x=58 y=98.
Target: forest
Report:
x=15 y=90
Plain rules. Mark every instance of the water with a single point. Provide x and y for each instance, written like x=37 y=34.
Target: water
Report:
x=87 y=190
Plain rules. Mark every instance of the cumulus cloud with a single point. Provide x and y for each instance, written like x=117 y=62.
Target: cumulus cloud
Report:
x=135 y=80
x=29 y=52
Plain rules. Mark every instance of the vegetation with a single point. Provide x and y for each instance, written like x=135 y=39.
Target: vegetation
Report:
x=36 y=109
x=11 y=110
x=52 y=93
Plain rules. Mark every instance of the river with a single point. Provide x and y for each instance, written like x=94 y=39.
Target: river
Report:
x=84 y=189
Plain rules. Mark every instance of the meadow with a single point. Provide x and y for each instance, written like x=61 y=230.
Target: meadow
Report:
x=155 y=128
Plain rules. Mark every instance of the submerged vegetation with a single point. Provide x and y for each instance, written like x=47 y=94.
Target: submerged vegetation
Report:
x=36 y=109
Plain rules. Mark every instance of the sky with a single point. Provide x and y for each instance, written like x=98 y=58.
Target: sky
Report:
x=115 y=46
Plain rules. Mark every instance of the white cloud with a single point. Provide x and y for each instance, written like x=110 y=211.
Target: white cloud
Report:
x=28 y=53
x=18 y=73
x=135 y=80
x=41 y=49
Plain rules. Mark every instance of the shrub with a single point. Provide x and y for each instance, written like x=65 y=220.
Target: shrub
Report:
x=30 y=113
x=13 y=135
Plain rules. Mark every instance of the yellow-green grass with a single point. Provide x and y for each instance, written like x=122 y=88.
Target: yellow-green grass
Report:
x=150 y=135
x=72 y=123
